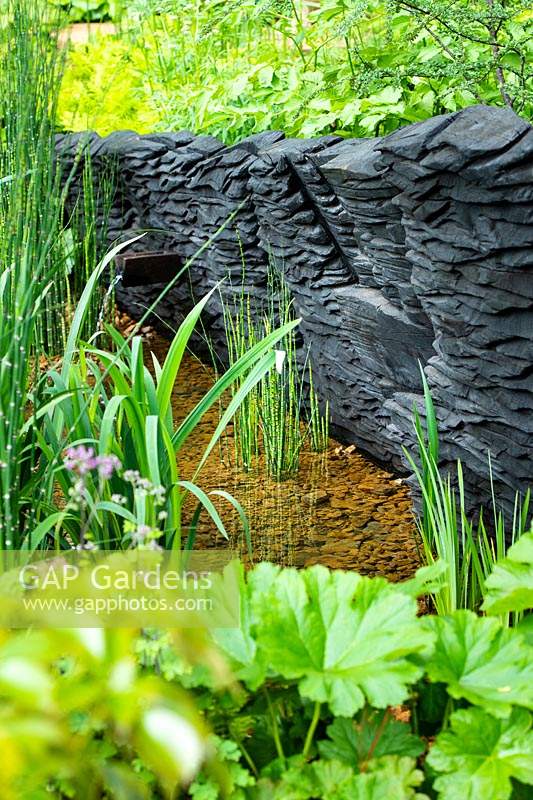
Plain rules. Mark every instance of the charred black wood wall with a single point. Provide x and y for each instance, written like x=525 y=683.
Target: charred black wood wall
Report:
x=415 y=247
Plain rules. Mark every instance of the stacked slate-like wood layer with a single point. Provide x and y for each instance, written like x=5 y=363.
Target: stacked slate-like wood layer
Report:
x=415 y=247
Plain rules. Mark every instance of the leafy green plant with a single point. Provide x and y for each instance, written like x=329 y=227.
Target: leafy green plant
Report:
x=337 y=674
x=76 y=708
x=350 y=637
x=349 y=67
x=478 y=755
x=336 y=677
x=44 y=266
x=129 y=417
x=318 y=421
x=241 y=334
x=481 y=661
x=32 y=269
x=372 y=734
x=280 y=401
x=86 y=239
x=509 y=587
x=273 y=418
x=111 y=98
x=470 y=550
x=89 y=10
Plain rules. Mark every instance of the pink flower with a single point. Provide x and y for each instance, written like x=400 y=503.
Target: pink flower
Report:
x=82 y=460
x=107 y=465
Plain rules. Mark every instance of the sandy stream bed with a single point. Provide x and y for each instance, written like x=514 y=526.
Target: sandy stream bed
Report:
x=341 y=510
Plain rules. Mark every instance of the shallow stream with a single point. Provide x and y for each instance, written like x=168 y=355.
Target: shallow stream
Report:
x=341 y=510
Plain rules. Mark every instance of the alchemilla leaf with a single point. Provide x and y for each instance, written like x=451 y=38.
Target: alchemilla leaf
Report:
x=352 y=741
x=345 y=638
x=510 y=585
x=479 y=755
x=427 y=580
x=389 y=777
x=482 y=662
x=386 y=778
x=239 y=645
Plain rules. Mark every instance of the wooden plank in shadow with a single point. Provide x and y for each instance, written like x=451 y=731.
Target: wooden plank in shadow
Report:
x=142 y=269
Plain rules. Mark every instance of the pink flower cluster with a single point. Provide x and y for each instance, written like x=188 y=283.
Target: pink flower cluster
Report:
x=82 y=460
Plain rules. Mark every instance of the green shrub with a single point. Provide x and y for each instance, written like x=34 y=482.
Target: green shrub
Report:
x=104 y=90
x=89 y=10
x=349 y=67
x=448 y=532
x=78 y=714
x=33 y=272
x=343 y=692
x=129 y=473
x=344 y=687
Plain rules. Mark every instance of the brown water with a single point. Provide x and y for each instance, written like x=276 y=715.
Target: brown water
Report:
x=341 y=510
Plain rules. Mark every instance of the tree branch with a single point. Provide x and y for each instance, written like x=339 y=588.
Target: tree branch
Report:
x=495 y=47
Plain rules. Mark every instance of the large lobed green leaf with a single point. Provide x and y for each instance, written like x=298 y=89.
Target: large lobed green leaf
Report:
x=428 y=579
x=482 y=662
x=479 y=755
x=510 y=585
x=386 y=778
x=344 y=638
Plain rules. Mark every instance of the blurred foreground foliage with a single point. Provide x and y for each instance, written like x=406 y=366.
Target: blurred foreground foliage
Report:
x=340 y=691
x=77 y=714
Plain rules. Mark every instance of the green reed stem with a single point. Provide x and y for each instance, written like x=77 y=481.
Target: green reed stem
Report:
x=271 y=421
x=31 y=261
x=318 y=421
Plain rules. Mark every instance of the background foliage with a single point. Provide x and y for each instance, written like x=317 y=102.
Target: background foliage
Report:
x=89 y=10
x=353 y=67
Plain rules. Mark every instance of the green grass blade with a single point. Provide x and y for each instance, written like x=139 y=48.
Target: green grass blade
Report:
x=431 y=418
x=82 y=308
x=203 y=498
x=36 y=537
x=152 y=448
x=193 y=527
x=137 y=371
x=175 y=354
x=243 y=517
x=115 y=508
x=106 y=426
